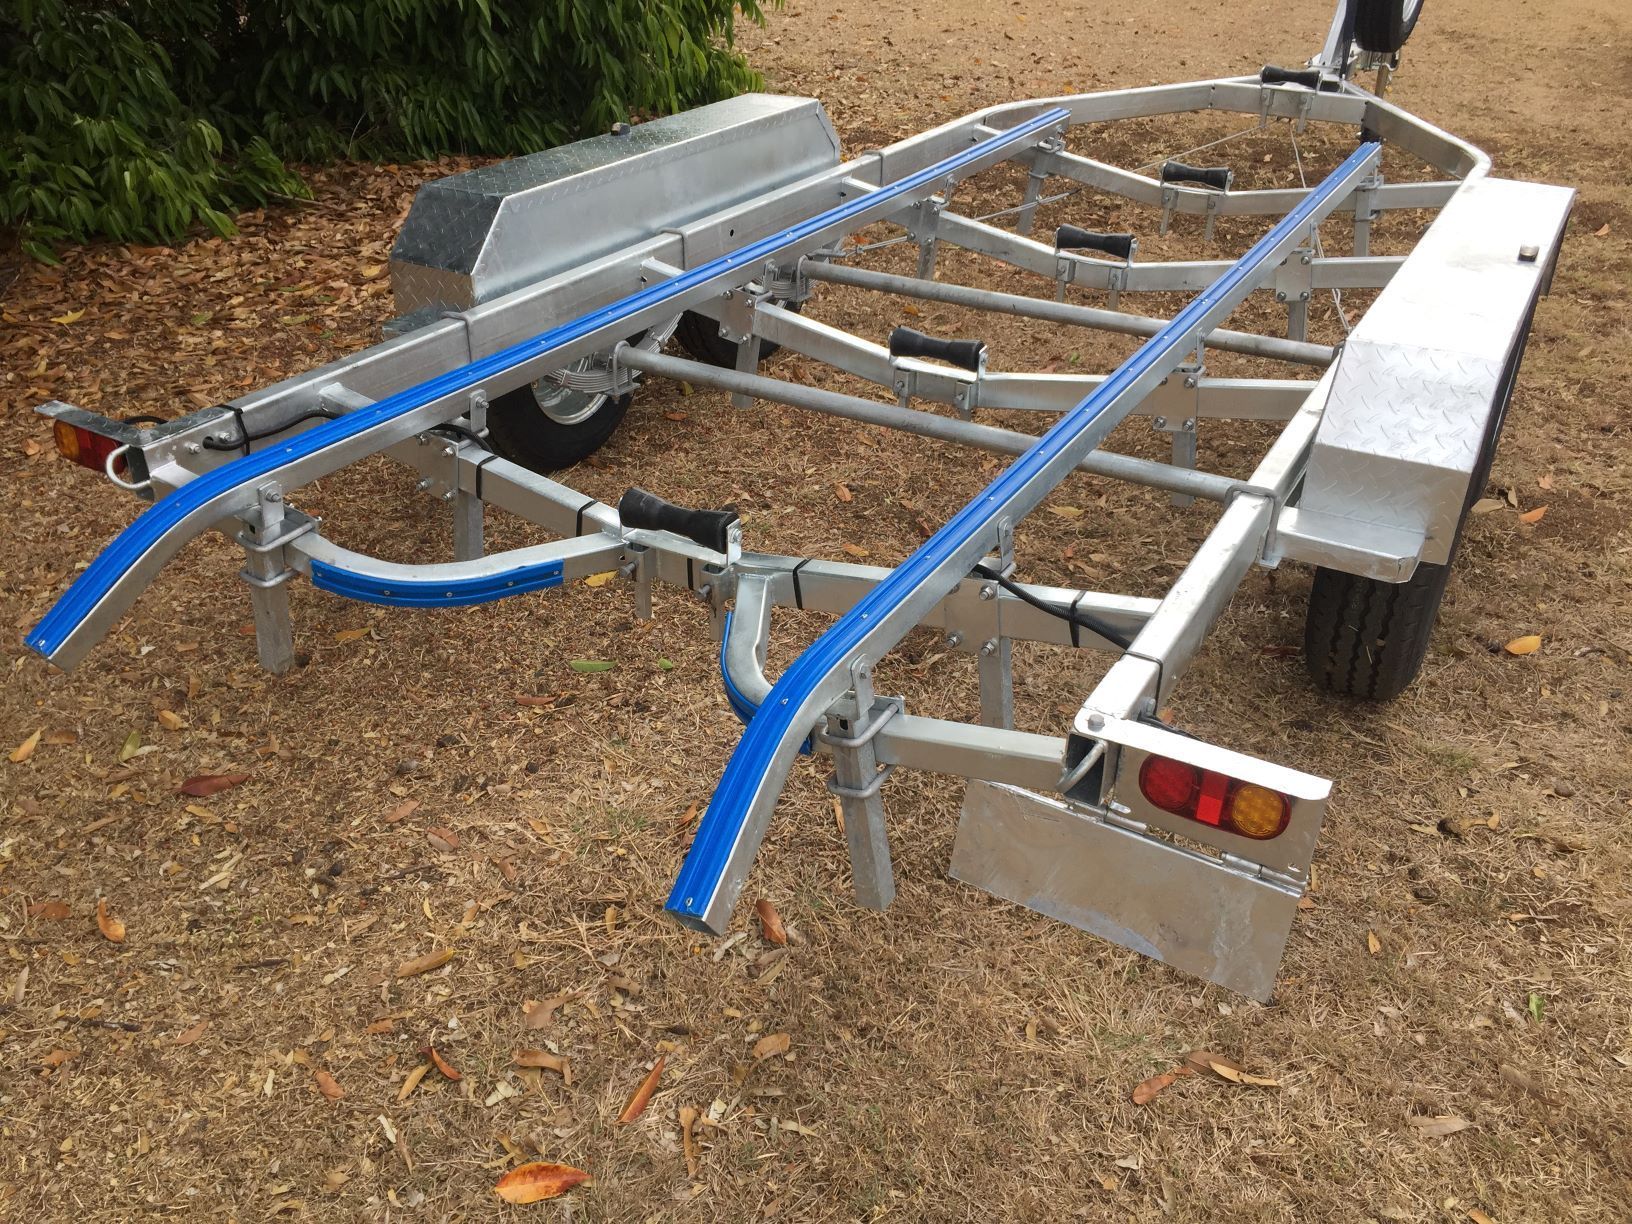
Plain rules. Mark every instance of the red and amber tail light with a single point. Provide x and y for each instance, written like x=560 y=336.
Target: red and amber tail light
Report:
x=89 y=450
x=1214 y=799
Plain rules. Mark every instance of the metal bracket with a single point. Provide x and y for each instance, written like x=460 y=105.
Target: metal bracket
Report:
x=1295 y=286
x=925 y=221
x=266 y=570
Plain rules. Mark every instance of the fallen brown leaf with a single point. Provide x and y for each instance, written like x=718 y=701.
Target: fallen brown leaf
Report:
x=1209 y=1062
x=445 y=840
x=188 y=1036
x=545 y=1061
x=424 y=964
x=1439 y=1125
x=1533 y=516
x=328 y=1085
x=55 y=910
x=209 y=784
x=1523 y=1080
x=1526 y=645
x=1479 y=1217
x=770 y=1045
x=688 y=1138
x=402 y=811
x=112 y=929
x=541 y=1014
x=1235 y=1075
x=533 y=1183
x=1147 y=1091
x=1373 y=944
x=412 y=1082
x=842 y=492
x=643 y=1094
x=770 y=922
x=57 y=1057
x=25 y=749
x=441 y=1064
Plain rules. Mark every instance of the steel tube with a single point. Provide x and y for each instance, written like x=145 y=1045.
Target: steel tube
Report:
x=1060 y=312
x=926 y=424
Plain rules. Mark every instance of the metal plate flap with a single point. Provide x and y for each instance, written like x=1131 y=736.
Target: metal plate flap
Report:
x=1183 y=908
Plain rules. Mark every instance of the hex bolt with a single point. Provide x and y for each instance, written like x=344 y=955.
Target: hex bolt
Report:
x=1189 y=423
x=954 y=639
x=423 y=485
x=1528 y=253
x=988 y=647
x=1306 y=259
x=193 y=448
x=447 y=452
x=1096 y=722
x=1160 y=422
x=988 y=591
x=1191 y=382
x=1280 y=295
x=1303 y=296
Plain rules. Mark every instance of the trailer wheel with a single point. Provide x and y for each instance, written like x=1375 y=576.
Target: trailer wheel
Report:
x=700 y=336
x=1365 y=638
x=544 y=427
x=1382 y=26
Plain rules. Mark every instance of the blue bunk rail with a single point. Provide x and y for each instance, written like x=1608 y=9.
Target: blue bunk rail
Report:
x=113 y=580
x=716 y=866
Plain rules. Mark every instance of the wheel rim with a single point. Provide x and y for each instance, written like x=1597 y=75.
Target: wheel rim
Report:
x=563 y=405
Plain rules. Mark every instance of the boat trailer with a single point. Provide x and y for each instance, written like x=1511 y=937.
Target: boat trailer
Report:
x=537 y=294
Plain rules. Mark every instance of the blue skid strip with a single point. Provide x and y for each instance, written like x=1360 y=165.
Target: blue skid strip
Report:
x=704 y=869
x=419 y=594
x=103 y=574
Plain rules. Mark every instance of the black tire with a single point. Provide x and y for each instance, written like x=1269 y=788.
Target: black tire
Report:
x=574 y=427
x=1382 y=26
x=1366 y=639
x=700 y=336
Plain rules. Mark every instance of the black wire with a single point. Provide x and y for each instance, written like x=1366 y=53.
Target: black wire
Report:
x=458 y=431
x=242 y=444
x=1071 y=615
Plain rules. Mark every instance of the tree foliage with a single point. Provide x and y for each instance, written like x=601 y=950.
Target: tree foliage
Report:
x=139 y=119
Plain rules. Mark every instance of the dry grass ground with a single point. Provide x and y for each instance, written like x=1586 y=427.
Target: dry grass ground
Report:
x=954 y=1057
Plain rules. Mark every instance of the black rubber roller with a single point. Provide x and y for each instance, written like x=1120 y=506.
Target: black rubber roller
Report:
x=1216 y=177
x=710 y=528
x=965 y=354
x=1309 y=78
x=1072 y=238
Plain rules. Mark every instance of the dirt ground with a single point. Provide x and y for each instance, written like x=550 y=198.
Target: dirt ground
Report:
x=251 y=1049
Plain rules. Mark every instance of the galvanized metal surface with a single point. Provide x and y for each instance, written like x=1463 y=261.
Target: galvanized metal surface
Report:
x=1175 y=905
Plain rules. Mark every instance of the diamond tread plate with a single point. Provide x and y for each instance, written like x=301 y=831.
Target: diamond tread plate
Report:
x=1419 y=377
x=474 y=236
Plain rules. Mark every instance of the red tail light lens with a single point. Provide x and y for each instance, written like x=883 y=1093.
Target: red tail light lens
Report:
x=1171 y=785
x=89 y=450
x=1214 y=799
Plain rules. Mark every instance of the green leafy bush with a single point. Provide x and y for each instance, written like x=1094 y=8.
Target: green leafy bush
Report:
x=139 y=119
